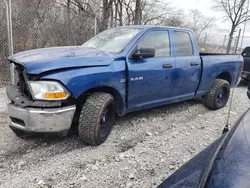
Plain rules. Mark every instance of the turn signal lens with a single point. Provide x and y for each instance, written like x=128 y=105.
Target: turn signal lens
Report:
x=55 y=95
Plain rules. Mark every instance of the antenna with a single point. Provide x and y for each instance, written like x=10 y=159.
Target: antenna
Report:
x=226 y=128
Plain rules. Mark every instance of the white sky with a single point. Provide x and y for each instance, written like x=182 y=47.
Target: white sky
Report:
x=206 y=8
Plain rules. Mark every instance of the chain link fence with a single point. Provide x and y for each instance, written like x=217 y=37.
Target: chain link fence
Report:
x=47 y=23
x=41 y=24
x=235 y=45
x=221 y=46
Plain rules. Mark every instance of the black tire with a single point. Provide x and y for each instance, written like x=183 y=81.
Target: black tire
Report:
x=218 y=95
x=97 y=118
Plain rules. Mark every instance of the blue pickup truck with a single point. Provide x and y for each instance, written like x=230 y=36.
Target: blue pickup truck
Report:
x=82 y=88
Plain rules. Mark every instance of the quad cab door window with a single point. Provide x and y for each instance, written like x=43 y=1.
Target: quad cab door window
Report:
x=184 y=45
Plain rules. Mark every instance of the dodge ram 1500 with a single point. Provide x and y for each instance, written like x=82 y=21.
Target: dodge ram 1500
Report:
x=124 y=69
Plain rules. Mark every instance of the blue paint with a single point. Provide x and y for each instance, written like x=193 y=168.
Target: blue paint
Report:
x=82 y=79
x=47 y=59
x=81 y=69
x=231 y=169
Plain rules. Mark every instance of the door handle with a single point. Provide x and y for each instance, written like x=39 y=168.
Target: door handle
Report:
x=167 y=66
x=194 y=64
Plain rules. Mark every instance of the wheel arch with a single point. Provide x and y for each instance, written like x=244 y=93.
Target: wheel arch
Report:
x=119 y=102
x=225 y=76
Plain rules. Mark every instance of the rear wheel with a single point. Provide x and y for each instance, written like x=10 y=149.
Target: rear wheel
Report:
x=97 y=118
x=218 y=95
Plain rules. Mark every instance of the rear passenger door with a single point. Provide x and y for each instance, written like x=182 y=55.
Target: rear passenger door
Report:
x=188 y=65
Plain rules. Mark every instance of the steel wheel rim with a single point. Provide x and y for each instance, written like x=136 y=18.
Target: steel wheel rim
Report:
x=222 y=96
x=106 y=121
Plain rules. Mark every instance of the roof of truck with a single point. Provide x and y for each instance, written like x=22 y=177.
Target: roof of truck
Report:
x=152 y=26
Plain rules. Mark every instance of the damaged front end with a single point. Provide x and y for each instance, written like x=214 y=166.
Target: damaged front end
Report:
x=38 y=116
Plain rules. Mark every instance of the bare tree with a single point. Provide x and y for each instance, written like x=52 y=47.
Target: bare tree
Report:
x=138 y=12
x=235 y=11
x=116 y=17
x=120 y=12
x=68 y=20
x=45 y=23
x=100 y=9
x=106 y=12
x=200 y=24
x=174 y=20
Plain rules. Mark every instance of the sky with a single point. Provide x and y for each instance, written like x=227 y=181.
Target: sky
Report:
x=206 y=7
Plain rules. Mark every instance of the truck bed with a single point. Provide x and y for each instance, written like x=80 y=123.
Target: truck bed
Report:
x=210 y=53
x=213 y=65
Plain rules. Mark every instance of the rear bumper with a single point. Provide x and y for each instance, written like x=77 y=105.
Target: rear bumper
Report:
x=49 y=120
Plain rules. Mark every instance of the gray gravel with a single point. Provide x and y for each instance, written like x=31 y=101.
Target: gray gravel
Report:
x=143 y=149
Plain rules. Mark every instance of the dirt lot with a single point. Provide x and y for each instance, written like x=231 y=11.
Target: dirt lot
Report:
x=142 y=150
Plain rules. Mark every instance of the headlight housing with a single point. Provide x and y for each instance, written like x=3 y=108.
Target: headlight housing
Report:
x=48 y=90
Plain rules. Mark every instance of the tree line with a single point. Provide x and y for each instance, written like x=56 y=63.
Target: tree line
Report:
x=45 y=23
x=42 y=23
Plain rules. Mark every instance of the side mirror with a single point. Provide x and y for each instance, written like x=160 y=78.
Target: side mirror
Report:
x=144 y=52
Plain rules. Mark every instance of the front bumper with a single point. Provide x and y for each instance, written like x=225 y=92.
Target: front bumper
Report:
x=39 y=120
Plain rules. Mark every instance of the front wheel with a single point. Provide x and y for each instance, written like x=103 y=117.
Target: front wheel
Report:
x=97 y=118
x=218 y=95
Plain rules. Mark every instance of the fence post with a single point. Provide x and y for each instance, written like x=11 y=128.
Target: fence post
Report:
x=10 y=39
x=95 y=25
x=237 y=42
x=225 y=37
x=205 y=41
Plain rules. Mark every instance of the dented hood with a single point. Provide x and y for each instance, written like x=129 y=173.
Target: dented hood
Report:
x=48 y=59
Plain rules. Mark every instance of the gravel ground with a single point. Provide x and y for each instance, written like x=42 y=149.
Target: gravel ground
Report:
x=143 y=149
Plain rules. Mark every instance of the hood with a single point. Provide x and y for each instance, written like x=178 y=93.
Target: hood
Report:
x=47 y=59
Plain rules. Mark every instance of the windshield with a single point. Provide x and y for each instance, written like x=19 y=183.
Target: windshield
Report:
x=112 y=40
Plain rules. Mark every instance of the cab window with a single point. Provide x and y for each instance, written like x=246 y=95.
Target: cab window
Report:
x=159 y=40
x=183 y=43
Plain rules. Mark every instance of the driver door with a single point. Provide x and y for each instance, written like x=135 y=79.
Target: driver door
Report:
x=150 y=79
